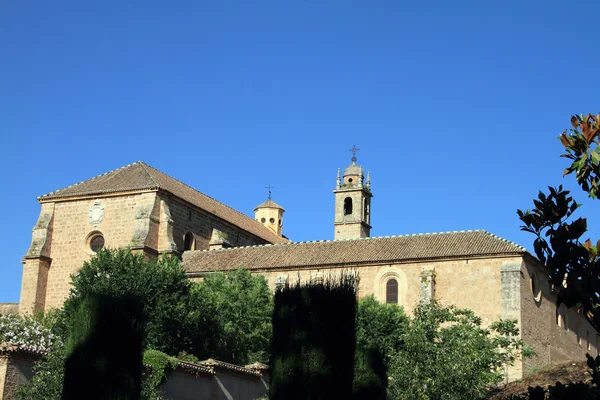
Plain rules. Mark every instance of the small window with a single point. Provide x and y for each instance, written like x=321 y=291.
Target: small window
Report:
x=272 y=220
x=349 y=180
x=535 y=288
x=96 y=242
x=347 y=206
x=188 y=241
x=391 y=292
x=281 y=282
x=263 y=220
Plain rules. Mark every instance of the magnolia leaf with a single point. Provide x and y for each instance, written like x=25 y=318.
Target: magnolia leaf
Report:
x=574 y=121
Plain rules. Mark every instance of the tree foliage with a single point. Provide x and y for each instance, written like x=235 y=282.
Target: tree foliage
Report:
x=573 y=264
x=314 y=338
x=227 y=316
x=104 y=349
x=380 y=326
x=242 y=305
x=447 y=354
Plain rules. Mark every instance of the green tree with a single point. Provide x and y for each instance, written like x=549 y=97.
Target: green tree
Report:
x=161 y=286
x=572 y=264
x=243 y=305
x=314 y=340
x=380 y=326
x=447 y=354
x=104 y=349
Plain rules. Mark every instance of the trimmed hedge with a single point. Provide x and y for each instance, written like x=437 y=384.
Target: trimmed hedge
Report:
x=314 y=340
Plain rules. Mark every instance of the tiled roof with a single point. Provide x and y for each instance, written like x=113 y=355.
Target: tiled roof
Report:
x=352 y=252
x=141 y=176
x=9 y=348
x=212 y=363
x=269 y=203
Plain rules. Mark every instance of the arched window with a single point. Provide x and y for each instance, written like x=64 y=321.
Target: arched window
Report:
x=391 y=291
x=188 y=241
x=347 y=206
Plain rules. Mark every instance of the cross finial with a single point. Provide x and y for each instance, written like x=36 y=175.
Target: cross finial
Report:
x=269 y=187
x=354 y=150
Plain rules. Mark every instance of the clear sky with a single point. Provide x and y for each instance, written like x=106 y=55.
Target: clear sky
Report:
x=455 y=105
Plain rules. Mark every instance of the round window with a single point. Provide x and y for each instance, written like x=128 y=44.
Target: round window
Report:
x=272 y=220
x=263 y=220
x=350 y=180
x=96 y=243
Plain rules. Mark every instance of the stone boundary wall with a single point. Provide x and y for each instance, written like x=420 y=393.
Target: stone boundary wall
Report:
x=9 y=308
x=210 y=379
x=16 y=369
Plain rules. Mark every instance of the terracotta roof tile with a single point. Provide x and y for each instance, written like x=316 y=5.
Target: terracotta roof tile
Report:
x=141 y=176
x=269 y=203
x=352 y=252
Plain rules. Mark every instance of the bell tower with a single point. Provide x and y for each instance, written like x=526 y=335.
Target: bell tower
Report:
x=352 y=203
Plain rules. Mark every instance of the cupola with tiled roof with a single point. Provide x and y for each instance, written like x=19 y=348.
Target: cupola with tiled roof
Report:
x=270 y=214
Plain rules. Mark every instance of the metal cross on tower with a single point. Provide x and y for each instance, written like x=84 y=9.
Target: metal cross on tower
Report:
x=354 y=150
x=269 y=187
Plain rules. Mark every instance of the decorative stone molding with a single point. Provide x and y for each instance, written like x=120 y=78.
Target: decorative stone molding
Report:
x=218 y=240
x=166 y=229
x=427 y=284
x=96 y=213
x=386 y=273
x=511 y=290
x=42 y=233
x=144 y=219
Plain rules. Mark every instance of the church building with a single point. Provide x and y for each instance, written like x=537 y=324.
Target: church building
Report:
x=142 y=208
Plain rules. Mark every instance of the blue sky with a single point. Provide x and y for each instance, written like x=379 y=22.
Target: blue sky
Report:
x=455 y=106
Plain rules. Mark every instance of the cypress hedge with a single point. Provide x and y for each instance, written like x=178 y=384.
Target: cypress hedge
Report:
x=314 y=340
x=104 y=349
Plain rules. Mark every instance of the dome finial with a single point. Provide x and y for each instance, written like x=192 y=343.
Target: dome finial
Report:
x=354 y=150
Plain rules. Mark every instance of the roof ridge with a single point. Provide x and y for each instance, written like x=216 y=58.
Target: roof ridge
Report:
x=365 y=238
x=504 y=240
x=144 y=165
x=89 y=179
x=258 y=224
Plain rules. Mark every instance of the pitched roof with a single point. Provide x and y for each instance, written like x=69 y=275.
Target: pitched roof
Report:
x=269 y=203
x=352 y=252
x=141 y=176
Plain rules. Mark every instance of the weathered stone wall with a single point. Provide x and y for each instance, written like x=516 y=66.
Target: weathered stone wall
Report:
x=183 y=385
x=473 y=284
x=15 y=371
x=147 y=221
x=71 y=230
x=201 y=224
x=539 y=326
x=9 y=308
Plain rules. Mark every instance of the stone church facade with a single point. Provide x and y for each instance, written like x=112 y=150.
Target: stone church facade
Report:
x=140 y=207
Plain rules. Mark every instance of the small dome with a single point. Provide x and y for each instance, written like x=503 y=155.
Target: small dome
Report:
x=269 y=204
x=353 y=169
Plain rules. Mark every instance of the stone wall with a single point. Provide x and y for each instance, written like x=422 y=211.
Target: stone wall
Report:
x=15 y=371
x=69 y=239
x=201 y=224
x=148 y=222
x=473 y=283
x=9 y=308
x=540 y=323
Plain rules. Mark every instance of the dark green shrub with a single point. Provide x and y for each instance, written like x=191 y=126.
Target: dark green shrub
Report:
x=314 y=340
x=104 y=349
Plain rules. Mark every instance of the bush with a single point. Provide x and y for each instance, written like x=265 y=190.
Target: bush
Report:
x=314 y=338
x=25 y=331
